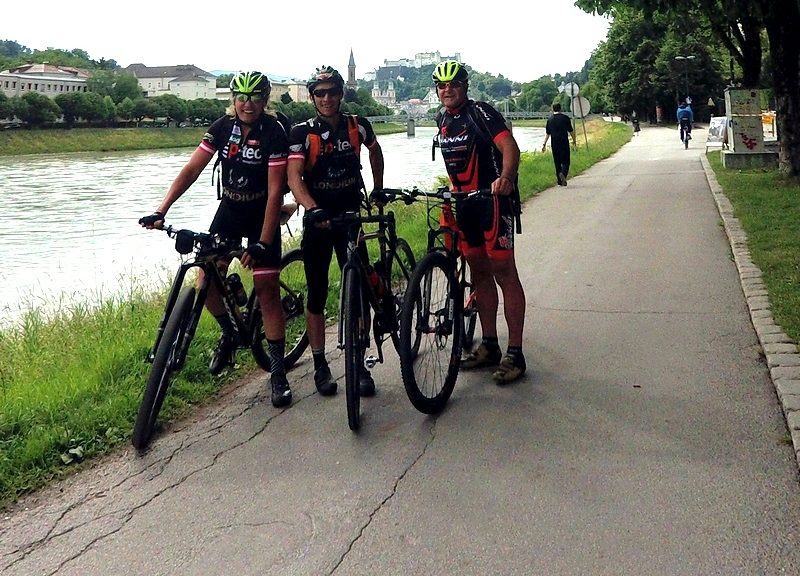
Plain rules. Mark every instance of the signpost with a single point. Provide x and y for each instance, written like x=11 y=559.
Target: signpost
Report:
x=578 y=104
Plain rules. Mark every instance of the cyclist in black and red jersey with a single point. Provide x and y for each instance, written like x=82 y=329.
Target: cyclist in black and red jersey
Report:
x=480 y=153
x=252 y=148
x=325 y=176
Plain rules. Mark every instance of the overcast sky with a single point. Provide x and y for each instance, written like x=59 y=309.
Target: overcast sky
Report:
x=293 y=38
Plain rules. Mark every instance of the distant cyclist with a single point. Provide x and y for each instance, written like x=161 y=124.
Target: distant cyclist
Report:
x=685 y=119
x=252 y=147
x=325 y=177
x=480 y=152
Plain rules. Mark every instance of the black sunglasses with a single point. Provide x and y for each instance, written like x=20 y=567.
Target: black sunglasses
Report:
x=322 y=92
x=452 y=84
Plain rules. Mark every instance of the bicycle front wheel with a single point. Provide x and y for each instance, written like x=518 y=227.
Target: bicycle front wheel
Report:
x=401 y=266
x=354 y=321
x=293 y=302
x=432 y=314
x=165 y=363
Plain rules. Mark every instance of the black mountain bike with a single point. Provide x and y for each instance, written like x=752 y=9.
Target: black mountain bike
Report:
x=439 y=312
x=184 y=307
x=380 y=287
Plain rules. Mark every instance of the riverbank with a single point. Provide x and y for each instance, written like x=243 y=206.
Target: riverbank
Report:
x=19 y=142
x=70 y=384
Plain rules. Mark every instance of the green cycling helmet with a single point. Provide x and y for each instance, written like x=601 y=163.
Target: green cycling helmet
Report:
x=325 y=74
x=450 y=71
x=251 y=83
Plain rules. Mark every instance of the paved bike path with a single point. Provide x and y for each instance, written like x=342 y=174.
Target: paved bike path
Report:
x=646 y=437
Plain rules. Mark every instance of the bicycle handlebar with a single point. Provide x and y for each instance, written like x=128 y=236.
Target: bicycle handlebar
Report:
x=186 y=241
x=409 y=195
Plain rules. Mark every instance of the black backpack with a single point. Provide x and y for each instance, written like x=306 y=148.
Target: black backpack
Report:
x=479 y=123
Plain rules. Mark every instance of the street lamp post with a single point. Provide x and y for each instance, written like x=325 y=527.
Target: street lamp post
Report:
x=685 y=60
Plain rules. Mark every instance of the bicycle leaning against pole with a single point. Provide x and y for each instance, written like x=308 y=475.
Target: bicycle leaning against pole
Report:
x=184 y=307
x=439 y=310
x=380 y=287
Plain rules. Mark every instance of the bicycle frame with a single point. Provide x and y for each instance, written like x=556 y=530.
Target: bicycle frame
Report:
x=208 y=252
x=386 y=236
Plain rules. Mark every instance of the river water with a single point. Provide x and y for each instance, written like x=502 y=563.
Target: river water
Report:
x=69 y=231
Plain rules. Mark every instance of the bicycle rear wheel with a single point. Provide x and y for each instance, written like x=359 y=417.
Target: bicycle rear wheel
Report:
x=164 y=365
x=293 y=301
x=432 y=313
x=354 y=320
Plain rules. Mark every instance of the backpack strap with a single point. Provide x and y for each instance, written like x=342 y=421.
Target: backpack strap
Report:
x=315 y=142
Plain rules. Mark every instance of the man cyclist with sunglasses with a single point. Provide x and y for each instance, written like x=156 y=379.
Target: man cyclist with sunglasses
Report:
x=252 y=148
x=325 y=176
x=480 y=153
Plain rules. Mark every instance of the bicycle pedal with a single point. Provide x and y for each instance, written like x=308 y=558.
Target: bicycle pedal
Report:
x=370 y=361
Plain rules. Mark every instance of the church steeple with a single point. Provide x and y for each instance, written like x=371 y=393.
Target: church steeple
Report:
x=351 y=72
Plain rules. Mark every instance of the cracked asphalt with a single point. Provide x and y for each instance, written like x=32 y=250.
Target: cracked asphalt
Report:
x=646 y=438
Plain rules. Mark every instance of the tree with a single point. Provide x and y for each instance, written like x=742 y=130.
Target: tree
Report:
x=735 y=23
x=101 y=82
x=40 y=109
x=125 y=86
x=110 y=109
x=783 y=23
x=205 y=109
x=143 y=108
x=172 y=107
x=738 y=25
x=537 y=96
x=224 y=80
x=125 y=109
x=5 y=106
x=94 y=107
x=71 y=104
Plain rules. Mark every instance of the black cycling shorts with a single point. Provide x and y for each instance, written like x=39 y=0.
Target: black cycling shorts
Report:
x=243 y=220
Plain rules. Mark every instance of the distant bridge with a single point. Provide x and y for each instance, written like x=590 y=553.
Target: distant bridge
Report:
x=402 y=118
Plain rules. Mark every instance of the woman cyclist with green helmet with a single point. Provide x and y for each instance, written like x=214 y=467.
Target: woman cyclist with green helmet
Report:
x=252 y=149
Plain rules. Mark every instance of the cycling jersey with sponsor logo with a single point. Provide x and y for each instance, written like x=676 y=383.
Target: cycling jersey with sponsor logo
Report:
x=245 y=162
x=472 y=163
x=334 y=178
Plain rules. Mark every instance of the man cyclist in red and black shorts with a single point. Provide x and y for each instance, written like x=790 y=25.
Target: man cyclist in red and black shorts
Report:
x=480 y=153
x=325 y=176
x=252 y=147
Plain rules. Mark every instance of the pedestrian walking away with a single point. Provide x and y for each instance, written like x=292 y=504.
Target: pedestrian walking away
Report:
x=480 y=153
x=324 y=173
x=252 y=149
x=558 y=130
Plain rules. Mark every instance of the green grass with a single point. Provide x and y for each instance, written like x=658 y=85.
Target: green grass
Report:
x=70 y=382
x=16 y=142
x=767 y=205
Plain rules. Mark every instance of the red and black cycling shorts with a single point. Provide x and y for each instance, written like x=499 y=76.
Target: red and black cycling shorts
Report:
x=487 y=226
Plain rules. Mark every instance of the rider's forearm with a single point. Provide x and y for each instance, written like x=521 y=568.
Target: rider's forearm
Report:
x=299 y=188
x=272 y=215
x=376 y=164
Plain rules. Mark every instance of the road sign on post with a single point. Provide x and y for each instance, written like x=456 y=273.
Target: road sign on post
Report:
x=580 y=109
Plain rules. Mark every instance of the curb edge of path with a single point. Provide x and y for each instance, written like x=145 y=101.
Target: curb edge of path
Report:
x=780 y=351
